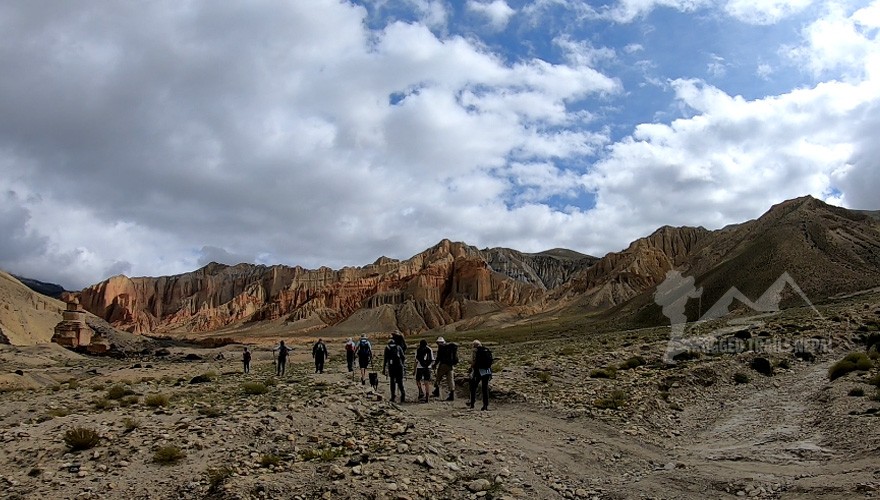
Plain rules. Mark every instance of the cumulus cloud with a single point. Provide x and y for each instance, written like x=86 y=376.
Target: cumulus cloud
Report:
x=164 y=137
x=764 y=11
x=497 y=12
x=152 y=139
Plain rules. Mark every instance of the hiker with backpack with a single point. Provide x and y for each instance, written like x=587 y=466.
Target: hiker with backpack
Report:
x=246 y=360
x=424 y=361
x=399 y=339
x=349 y=354
x=447 y=358
x=393 y=367
x=319 y=352
x=364 y=352
x=281 y=359
x=481 y=373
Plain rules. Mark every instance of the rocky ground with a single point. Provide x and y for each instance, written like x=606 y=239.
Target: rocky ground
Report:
x=589 y=416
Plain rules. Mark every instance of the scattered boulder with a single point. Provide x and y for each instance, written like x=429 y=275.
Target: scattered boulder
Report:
x=762 y=366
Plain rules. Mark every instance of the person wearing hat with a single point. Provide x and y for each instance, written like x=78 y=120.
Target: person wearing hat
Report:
x=447 y=358
x=393 y=366
x=349 y=354
x=364 y=353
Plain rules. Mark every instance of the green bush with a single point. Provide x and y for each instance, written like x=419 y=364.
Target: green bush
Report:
x=270 y=459
x=103 y=404
x=854 y=361
x=118 y=392
x=168 y=455
x=607 y=372
x=740 y=378
x=543 y=377
x=875 y=380
x=216 y=478
x=211 y=412
x=81 y=438
x=254 y=388
x=130 y=424
x=614 y=401
x=156 y=400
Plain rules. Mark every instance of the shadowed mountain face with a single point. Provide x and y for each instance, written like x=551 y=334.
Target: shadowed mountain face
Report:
x=825 y=250
x=444 y=284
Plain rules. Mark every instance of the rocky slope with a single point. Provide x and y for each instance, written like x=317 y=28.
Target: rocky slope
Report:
x=825 y=250
x=444 y=284
x=26 y=317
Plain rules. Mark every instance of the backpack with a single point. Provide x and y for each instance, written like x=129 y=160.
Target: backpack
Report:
x=453 y=351
x=424 y=358
x=483 y=358
x=364 y=348
x=349 y=347
x=395 y=356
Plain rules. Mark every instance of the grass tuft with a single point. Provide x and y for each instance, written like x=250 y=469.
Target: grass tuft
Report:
x=167 y=455
x=81 y=438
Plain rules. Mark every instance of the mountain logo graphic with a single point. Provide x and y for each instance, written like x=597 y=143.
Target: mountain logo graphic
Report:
x=676 y=290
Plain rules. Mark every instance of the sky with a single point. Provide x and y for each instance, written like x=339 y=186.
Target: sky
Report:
x=150 y=138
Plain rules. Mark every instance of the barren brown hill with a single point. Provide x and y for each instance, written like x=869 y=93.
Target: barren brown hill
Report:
x=826 y=251
x=620 y=276
x=444 y=284
x=26 y=317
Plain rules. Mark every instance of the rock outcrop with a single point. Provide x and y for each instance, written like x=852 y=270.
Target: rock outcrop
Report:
x=444 y=284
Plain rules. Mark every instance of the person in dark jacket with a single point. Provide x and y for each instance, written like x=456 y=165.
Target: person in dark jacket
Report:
x=319 y=352
x=481 y=373
x=424 y=362
x=364 y=352
x=281 y=359
x=393 y=367
x=246 y=360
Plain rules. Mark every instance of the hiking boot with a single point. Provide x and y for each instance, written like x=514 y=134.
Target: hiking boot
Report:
x=402 y=399
x=363 y=382
x=451 y=397
x=436 y=392
x=470 y=404
x=484 y=408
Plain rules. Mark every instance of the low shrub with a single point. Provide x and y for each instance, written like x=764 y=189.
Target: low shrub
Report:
x=118 y=392
x=254 y=388
x=129 y=401
x=762 y=366
x=740 y=378
x=211 y=412
x=607 y=372
x=875 y=380
x=156 y=400
x=168 y=455
x=216 y=477
x=856 y=392
x=633 y=362
x=103 y=404
x=614 y=401
x=81 y=438
x=854 y=361
x=270 y=460
x=130 y=424
x=543 y=377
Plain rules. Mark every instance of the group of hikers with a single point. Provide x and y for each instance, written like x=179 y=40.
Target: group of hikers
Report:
x=432 y=371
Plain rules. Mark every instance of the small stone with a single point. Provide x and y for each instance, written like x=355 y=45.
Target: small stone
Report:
x=478 y=485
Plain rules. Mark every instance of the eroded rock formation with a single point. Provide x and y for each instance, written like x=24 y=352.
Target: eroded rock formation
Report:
x=446 y=283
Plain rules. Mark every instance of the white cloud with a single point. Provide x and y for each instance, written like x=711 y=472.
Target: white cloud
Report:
x=230 y=133
x=497 y=12
x=841 y=42
x=764 y=11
